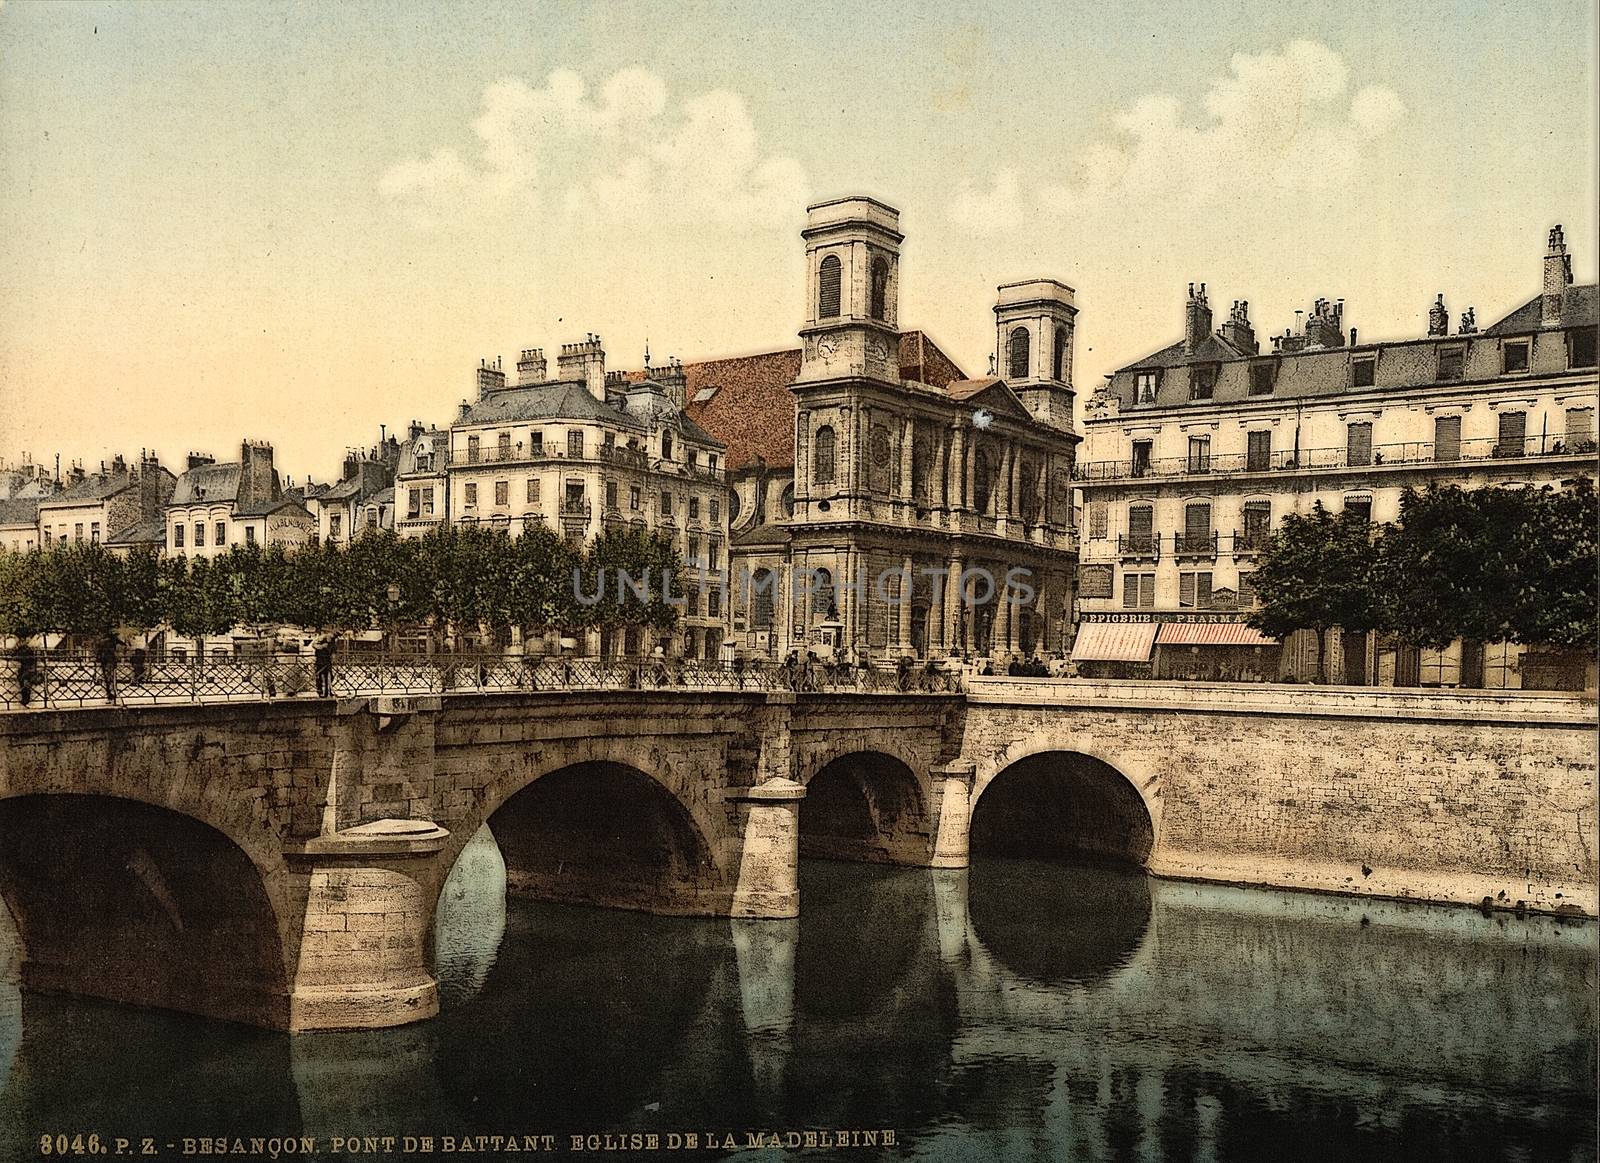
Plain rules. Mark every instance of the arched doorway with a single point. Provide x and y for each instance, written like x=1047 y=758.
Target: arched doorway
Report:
x=1063 y=805
x=607 y=834
x=134 y=903
x=865 y=806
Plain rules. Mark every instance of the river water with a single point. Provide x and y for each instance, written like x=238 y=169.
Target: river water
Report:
x=1016 y=1011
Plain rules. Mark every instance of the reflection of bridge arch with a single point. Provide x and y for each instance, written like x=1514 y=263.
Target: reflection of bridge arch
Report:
x=864 y=805
x=1050 y=795
x=144 y=904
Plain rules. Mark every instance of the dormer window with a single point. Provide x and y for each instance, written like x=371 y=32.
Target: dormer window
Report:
x=1514 y=356
x=1452 y=362
x=1202 y=381
x=1145 y=387
x=1263 y=375
x=1363 y=371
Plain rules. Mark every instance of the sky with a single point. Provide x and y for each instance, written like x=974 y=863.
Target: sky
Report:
x=297 y=221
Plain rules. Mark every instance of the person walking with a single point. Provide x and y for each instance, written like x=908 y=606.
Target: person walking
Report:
x=322 y=656
x=106 y=654
x=27 y=672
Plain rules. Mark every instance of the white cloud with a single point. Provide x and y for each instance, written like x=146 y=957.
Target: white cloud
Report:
x=1276 y=122
x=626 y=153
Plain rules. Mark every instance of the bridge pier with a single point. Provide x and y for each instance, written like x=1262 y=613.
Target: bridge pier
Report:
x=767 y=883
x=365 y=947
x=952 y=846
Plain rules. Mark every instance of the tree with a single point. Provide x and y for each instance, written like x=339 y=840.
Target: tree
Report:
x=650 y=563
x=1318 y=571
x=21 y=574
x=1493 y=565
x=539 y=573
x=198 y=599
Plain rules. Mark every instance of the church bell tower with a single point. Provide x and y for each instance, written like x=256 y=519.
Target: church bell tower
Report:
x=1033 y=347
x=852 y=326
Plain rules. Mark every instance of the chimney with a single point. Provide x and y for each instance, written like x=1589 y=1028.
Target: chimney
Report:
x=490 y=379
x=1325 y=324
x=197 y=459
x=118 y=466
x=674 y=384
x=466 y=409
x=1557 y=277
x=1352 y=337
x=415 y=430
x=258 y=480
x=584 y=361
x=75 y=474
x=1469 y=321
x=153 y=497
x=1237 y=329
x=350 y=466
x=1196 y=320
x=531 y=367
x=1439 y=317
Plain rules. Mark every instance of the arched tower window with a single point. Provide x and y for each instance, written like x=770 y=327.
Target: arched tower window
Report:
x=823 y=457
x=880 y=288
x=822 y=599
x=828 y=276
x=1019 y=353
x=1061 y=353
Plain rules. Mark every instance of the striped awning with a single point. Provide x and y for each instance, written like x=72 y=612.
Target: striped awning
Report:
x=1114 y=642
x=1211 y=634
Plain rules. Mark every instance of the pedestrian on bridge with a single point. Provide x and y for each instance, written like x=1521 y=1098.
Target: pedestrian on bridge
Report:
x=27 y=672
x=322 y=659
x=106 y=654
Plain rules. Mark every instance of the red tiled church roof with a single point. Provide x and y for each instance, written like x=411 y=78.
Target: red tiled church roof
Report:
x=745 y=402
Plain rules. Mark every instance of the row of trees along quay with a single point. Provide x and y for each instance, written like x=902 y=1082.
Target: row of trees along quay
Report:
x=1481 y=565
x=452 y=580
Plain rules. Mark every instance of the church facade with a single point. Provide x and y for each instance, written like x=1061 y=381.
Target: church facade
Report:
x=922 y=513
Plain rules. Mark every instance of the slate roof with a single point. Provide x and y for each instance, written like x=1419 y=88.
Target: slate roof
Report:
x=1213 y=349
x=149 y=531
x=1579 y=306
x=264 y=508
x=207 y=482
x=19 y=511
x=558 y=400
x=94 y=487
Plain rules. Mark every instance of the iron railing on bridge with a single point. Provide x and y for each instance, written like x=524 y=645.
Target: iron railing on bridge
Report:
x=47 y=681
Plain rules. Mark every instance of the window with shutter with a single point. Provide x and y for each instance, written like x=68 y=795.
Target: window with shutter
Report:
x=1447 y=438
x=1358 y=444
x=1197 y=527
x=1019 y=352
x=1580 y=428
x=1141 y=525
x=1199 y=454
x=1247 y=589
x=575 y=444
x=828 y=279
x=502 y=492
x=1258 y=452
x=1513 y=434
x=1257 y=524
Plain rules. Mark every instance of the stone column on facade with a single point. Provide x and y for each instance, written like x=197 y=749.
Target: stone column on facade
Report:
x=961 y=474
x=1002 y=506
x=907 y=590
x=939 y=487
x=908 y=439
x=952 y=606
x=951 y=844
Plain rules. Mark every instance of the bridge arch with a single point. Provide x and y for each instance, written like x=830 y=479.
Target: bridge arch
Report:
x=865 y=805
x=141 y=903
x=592 y=821
x=1054 y=793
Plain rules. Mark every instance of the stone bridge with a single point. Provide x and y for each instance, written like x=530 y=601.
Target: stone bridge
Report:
x=280 y=862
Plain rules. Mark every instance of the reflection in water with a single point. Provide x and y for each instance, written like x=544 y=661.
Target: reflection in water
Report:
x=1021 y=1010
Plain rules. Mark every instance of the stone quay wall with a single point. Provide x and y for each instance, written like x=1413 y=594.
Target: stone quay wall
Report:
x=1408 y=794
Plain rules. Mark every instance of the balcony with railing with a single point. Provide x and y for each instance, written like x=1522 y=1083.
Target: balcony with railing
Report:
x=575 y=510
x=1249 y=541
x=1195 y=544
x=1413 y=453
x=1142 y=546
